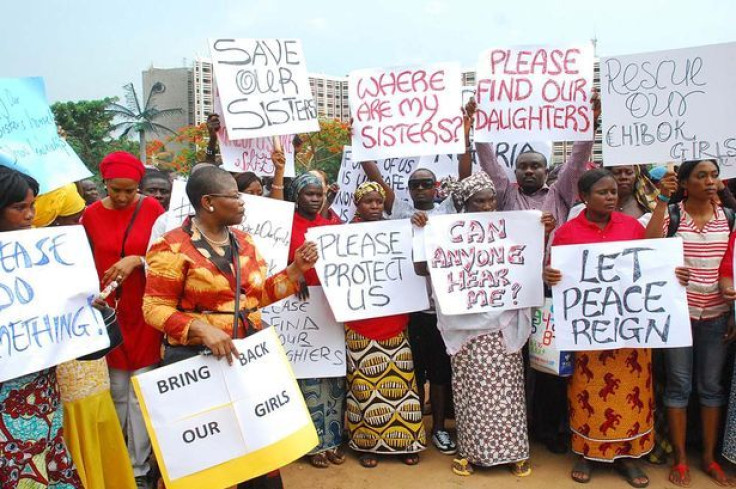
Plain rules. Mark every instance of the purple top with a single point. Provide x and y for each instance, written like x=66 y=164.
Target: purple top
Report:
x=556 y=199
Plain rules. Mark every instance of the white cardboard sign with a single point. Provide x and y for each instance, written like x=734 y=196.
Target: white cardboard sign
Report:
x=670 y=106
x=269 y=221
x=264 y=87
x=534 y=93
x=406 y=111
x=621 y=294
x=47 y=284
x=313 y=340
x=486 y=261
x=366 y=269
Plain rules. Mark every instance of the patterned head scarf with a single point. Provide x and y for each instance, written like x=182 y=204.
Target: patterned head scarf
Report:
x=64 y=201
x=466 y=188
x=645 y=192
x=303 y=180
x=365 y=188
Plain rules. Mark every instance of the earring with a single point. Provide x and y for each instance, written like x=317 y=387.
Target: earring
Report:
x=211 y=209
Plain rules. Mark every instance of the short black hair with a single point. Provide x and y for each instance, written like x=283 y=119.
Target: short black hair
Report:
x=207 y=181
x=683 y=173
x=14 y=186
x=532 y=152
x=245 y=179
x=434 y=176
x=590 y=178
x=154 y=175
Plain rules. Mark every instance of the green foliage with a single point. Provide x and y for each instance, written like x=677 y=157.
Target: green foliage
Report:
x=86 y=125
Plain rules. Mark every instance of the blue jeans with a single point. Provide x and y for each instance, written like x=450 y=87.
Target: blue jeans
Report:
x=707 y=357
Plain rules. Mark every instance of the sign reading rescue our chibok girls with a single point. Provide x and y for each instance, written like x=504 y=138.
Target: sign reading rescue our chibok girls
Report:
x=620 y=295
x=486 y=261
x=47 y=282
x=366 y=269
x=406 y=111
x=313 y=340
x=534 y=93
x=264 y=87
x=213 y=425
x=29 y=138
x=669 y=106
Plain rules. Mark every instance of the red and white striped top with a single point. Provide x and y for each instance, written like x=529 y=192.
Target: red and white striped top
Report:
x=704 y=250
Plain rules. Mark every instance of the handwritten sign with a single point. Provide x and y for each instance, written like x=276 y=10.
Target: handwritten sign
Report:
x=406 y=111
x=264 y=87
x=179 y=206
x=252 y=155
x=269 y=221
x=313 y=340
x=214 y=425
x=366 y=269
x=620 y=295
x=29 y=140
x=47 y=284
x=534 y=93
x=670 y=106
x=486 y=261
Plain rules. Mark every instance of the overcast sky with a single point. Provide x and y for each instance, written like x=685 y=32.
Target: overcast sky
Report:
x=88 y=49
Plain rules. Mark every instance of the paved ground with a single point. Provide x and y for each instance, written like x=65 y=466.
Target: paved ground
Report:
x=549 y=471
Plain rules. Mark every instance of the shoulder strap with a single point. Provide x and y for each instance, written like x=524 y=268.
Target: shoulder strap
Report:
x=130 y=225
x=674 y=212
x=730 y=216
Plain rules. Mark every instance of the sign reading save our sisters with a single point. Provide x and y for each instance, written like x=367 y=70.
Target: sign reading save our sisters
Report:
x=366 y=269
x=313 y=340
x=670 y=106
x=409 y=111
x=47 y=283
x=486 y=261
x=214 y=425
x=620 y=295
x=534 y=93
x=29 y=139
x=264 y=87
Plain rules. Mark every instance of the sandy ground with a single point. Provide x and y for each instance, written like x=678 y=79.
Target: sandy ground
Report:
x=549 y=471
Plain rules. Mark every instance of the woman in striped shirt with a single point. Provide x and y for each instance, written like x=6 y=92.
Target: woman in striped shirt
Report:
x=704 y=229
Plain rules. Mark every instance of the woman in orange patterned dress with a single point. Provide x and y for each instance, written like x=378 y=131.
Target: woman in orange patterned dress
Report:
x=190 y=288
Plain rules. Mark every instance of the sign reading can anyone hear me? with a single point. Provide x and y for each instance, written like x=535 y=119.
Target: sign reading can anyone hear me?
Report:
x=214 y=425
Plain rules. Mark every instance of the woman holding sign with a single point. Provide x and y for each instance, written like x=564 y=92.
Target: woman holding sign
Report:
x=610 y=391
x=324 y=397
x=384 y=414
x=32 y=450
x=191 y=287
x=688 y=209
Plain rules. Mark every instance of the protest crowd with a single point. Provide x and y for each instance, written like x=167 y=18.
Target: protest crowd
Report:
x=588 y=307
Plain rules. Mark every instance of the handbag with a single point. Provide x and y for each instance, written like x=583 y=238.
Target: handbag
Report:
x=173 y=354
x=543 y=354
x=109 y=314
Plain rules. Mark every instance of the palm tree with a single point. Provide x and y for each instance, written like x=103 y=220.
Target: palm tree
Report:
x=140 y=120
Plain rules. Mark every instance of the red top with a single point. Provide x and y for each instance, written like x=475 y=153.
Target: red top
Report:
x=298 y=230
x=105 y=228
x=581 y=231
x=726 y=269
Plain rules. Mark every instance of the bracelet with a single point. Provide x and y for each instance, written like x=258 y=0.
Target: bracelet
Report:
x=663 y=198
x=143 y=261
x=277 y=187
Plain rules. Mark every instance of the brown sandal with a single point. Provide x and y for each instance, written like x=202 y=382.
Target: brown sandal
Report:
x=411 y=458
x=335 y=456
x=368 y=460
x=319 y=460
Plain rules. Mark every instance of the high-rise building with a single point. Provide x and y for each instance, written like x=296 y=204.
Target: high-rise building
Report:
x=331 y=96
x=204 y=90
x=170 y=88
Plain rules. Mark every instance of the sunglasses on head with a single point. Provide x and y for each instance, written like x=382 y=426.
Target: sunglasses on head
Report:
x=421 y=183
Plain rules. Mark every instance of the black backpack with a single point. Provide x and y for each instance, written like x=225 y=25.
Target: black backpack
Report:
x=674 y=212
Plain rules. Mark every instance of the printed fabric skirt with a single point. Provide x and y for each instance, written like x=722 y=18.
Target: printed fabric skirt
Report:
x=490 y=407
x=383 y=411
x=34 y=455
x=325 y=399
x=729 y=440
x=611 y=404
x=91 y=426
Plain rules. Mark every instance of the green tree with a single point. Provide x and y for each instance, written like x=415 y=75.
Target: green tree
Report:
x=323 y=150
x=87 y=127
x=141 y=119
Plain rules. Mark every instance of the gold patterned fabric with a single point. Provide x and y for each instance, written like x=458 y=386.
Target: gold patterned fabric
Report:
x=79 y=379
x=383 y=410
